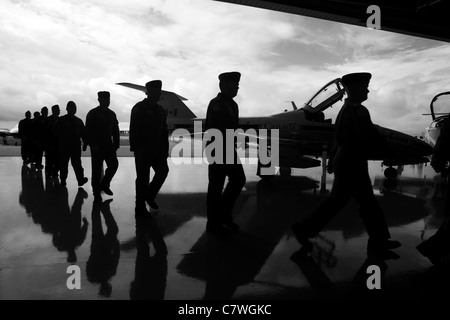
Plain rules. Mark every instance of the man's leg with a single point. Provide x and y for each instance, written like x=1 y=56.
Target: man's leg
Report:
x=314 y=223
x=371 y=213
x=75 y=156
x=214 y=204
x=64 y=156
x=112 y=164
x=39 y=151
x=236 y=181
x=24 y=150
x=339 y=196
x=96 y=163
x=161 y=171
x=142 y=163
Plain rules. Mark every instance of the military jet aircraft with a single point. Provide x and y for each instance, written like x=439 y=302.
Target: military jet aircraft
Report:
x=439 y=108
x=5 y=133
x=304 y=133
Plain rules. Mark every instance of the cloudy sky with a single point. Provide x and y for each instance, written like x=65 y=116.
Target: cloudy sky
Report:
x=53 y=51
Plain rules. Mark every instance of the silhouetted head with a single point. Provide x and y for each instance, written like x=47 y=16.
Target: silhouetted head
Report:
x=153 y=90
x=44 y=111
x=104 y=98
x=356 y=85
x=55 y=110
x=36 y=114
x=71 y=108
x=28 y=114
x=229 y=83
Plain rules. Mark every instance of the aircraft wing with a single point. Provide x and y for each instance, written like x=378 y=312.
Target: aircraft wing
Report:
x=143 y=89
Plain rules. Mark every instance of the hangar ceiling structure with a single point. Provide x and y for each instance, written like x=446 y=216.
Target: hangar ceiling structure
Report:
x=421 y=18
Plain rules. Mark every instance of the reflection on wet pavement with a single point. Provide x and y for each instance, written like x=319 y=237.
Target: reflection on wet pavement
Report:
x=47 y=227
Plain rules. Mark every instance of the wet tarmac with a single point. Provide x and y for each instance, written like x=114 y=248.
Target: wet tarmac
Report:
x=45 y=228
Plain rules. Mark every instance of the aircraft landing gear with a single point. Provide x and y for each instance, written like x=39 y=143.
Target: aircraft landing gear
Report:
x=390 y=173
x=263 y=176
x=285 y=171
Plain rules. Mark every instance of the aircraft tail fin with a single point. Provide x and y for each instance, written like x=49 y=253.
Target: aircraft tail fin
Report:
x=170 y=101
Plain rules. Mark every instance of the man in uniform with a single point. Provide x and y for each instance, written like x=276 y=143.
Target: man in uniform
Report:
x=51 y=143
x=70 y=130
x=149 y=140
x=25 y=137
x=34 y=134
x=223 y=114
x=103 y=136
x=40 y=137
x=354 y=135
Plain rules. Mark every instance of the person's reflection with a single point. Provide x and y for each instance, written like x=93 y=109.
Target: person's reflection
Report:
x=27 y=186
x=36 y=196
x=42 y=205
x=151 y=270
x=223 y=271
x=72 y=229
x=318 y=280
x=105 y=248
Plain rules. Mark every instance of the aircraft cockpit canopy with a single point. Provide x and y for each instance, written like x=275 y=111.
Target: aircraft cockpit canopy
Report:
x=440 y=105
x=325 y=98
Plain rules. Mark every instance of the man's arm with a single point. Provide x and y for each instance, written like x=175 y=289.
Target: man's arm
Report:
x=214 y=118
x=83 y=135
x=90 y=125
x=116 y=133
x=133 y=129
x=378 y=141
x=164 y=133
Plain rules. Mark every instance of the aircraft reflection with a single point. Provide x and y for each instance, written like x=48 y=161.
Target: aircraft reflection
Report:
x=227 y=263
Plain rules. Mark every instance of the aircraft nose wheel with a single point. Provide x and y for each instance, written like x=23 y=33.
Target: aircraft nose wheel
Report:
x=390 y=173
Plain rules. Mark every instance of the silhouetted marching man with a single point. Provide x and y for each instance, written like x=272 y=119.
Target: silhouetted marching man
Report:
x=35 y=147
x=51 y=143
x=103 y=135
x=223 y=114
x=355 y=134
x=70 y=131
x=149 y=141
x=25 y=137
x=40 y=137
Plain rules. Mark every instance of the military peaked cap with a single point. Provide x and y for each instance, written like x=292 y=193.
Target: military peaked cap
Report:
x=154 y=84
x=356 y=78
x=103 y=94
x=230 y=76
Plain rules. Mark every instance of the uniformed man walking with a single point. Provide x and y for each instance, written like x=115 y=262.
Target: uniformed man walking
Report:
x=51 y=143
x=149 y=140
x=103 y=136
x=223 y=114
x=354 y=135
x=25 y=128
x=70 y=131
x=40 y=137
